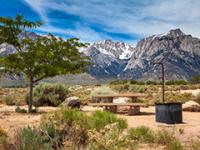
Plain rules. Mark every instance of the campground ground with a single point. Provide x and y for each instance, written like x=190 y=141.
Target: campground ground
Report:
x=11 y=121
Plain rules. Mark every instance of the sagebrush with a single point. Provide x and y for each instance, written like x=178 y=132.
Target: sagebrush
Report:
x=46 y=94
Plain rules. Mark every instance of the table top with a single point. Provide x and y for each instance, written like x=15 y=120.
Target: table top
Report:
x=117 y=104
x=120 y=95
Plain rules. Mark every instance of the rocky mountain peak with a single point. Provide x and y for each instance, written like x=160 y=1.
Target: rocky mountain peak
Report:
x=175 y=33
x=118 y=50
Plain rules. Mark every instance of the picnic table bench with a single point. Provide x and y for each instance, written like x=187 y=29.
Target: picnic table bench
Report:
x=134 y=108
x=109 y=98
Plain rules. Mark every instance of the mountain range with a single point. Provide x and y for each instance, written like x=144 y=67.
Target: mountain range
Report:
x=179 y=52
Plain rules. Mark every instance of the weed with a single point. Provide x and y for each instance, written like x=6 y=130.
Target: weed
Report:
x=142 y=133
x=9 y=100
x=20 y=110
x=99 y=120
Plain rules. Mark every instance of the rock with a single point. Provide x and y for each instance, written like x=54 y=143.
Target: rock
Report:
x=121 y=100
x=73 y=102
x=191 y=106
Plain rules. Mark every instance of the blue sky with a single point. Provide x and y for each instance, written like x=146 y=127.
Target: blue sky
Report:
x=119 y=20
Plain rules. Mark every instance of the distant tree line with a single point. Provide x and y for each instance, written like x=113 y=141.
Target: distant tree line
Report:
x=194 y=80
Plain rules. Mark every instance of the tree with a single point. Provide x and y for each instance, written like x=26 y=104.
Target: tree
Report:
x=44 y=57
x=10 y=29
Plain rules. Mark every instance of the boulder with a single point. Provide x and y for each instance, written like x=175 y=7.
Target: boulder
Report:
x=73 y=102
x=121 y=100
x=191 y=106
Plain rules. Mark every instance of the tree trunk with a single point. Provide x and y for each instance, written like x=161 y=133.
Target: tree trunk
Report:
x=30 y=95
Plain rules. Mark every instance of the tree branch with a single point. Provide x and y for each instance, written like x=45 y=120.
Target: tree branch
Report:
x=38 y=79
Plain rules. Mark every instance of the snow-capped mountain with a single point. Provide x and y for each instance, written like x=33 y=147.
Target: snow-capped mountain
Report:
x=108 y=57
x=118 y=50
x=179 y=52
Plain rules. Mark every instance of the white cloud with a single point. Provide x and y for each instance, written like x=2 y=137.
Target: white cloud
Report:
x=131 y=17
x=83 y=33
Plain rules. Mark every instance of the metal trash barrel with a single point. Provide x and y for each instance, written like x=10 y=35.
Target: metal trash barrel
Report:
x=170 y=113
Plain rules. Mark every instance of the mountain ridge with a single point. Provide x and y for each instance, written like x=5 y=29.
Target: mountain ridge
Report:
x=179 y=52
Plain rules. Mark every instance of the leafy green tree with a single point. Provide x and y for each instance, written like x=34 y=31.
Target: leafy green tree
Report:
x=43 y=57
x=10 y=29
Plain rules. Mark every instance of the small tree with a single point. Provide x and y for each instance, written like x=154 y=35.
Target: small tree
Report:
x=43 y=57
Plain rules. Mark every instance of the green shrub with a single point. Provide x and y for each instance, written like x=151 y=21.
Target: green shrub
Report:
x=166 y=137
x=198 y=97
x=176 y=82
x=83 y=93
x=30 y=139
x=71 y=125
x=99 y=119
x=116 y=82
x=133 y=82
x=142 y=134
x=9 y=100
x=138 y=88
x=101 y=91
x=175 y=97
x=151 y=82
x=109 y=139
x=20 y=110
x=46 y=94
x=195 y=79
x=3 y=137
x=52 y=134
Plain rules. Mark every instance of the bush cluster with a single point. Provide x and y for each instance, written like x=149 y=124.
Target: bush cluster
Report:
x=46 y=94
x=173 y=97
x=69 y=128
x=176 y=82
x=146 y=135
x=9 y=100
x=20 y=110
x=198 y=97
x=102 y=90
x=195 y=79
x=66 y=128
x=82 y=92
x=3 y=139
x=137 y=82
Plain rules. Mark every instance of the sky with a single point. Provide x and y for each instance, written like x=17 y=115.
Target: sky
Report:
x=118 y=20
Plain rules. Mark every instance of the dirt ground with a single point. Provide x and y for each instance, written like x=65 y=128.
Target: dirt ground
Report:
x=11 y=121
x=194 y=92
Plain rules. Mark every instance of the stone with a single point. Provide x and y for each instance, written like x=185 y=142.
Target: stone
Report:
x=191 y=106
x=73 y=102
x=121 y=100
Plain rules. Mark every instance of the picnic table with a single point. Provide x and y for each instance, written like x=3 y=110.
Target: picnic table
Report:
x=134 y=108
x=109 y=97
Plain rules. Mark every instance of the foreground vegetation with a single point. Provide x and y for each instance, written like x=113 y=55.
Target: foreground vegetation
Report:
x=72 y=129
x=46 y=94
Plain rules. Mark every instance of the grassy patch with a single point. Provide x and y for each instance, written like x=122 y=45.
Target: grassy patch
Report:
x=142 y=134
x=31 y=139
x=20 y=110
x=100 y=119
x=9 y=100
x=166 y=137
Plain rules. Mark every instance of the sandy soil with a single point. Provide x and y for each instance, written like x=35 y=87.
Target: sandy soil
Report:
x=194 y=92
x=11 y=121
